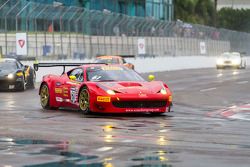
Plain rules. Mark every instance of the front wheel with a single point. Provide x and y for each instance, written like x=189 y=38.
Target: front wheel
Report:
x=32 y=80
x=244 y=66
x=44 y=96
x=84 y=101
x=23 y=85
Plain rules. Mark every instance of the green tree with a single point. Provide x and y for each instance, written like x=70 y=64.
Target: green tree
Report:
x=195 y=11
x=234 y=19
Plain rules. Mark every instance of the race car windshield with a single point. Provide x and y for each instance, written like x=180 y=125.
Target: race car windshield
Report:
x=112 y=73
x=8 y=65
x=230 y=55
x=108 y=61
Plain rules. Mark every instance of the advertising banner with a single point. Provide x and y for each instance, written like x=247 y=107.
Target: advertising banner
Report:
x=141 y=46
x=21 y=43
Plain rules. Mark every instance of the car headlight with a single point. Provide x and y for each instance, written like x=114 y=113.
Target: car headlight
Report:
x=163 y=91
x=110 y=92
x=10 y=76
x=236 y=61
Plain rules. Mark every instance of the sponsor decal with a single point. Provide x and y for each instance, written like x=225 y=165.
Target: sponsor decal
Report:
x=143 y=110
x=103 y=99
x=58 y=90
x=21 y=42
x=59 y=99
x=65 y=91
x=58 y=83
x=73 y=94
x=67 y=100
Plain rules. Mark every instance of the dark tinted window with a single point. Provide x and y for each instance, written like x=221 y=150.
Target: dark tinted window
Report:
x=78 y=73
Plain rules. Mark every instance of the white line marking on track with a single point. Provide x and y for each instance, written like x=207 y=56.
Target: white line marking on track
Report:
x=104 y=149
x=208 y=89
x=128 y=141
x=242 y=82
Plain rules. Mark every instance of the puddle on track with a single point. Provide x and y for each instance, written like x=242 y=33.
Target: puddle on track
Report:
x=52 y=148
x=58 y=154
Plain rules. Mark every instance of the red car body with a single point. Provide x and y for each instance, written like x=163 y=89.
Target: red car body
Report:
x=108 y=96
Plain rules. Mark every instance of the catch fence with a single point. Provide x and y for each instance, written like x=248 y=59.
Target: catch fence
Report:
x=58 y=32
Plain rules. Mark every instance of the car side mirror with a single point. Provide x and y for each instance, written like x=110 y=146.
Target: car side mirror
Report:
x=151 y=78
x=72 y=77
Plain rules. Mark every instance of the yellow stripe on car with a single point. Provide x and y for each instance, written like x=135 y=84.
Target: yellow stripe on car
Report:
x=19 y=74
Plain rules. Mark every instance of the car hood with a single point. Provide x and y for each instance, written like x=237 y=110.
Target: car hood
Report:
x=133 y=87
x=4 y=72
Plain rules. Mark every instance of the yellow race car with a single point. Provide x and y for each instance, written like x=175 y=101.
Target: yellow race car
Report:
x=119 y=59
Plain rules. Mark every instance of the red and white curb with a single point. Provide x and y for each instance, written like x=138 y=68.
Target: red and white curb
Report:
x=234 y=112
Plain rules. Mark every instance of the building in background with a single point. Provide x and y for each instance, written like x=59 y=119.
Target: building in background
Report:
x=158 y=9
x=235 y=4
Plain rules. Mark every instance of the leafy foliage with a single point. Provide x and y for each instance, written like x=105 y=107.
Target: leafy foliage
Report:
x=195 y=11
x=234 y=19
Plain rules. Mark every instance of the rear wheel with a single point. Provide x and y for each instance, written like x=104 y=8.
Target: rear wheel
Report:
x=44 y=96
x=244 y=65
x=84 y=101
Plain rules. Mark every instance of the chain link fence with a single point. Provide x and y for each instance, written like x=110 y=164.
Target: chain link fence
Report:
x=59 y=32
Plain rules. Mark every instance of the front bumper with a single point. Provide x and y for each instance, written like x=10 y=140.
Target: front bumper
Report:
x=6 y=84
x=131 y=104
x=228 y=64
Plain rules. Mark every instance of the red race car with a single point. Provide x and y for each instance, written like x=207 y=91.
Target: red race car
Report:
x=103 y=88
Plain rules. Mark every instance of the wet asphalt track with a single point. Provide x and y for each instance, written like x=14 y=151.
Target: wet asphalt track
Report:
x=197 y=133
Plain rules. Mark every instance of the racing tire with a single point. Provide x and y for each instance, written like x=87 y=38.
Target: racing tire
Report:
x=32 y=80
x=23 y=85
x=84 y=101
x=244 y=66
x=219 y=67
x=45 y=97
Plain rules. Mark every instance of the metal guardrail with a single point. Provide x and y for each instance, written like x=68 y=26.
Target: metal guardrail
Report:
x=55 y=32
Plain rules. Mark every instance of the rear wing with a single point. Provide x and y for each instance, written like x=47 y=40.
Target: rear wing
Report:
x=64 y=65
x=22 y=58
x=123 y=56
